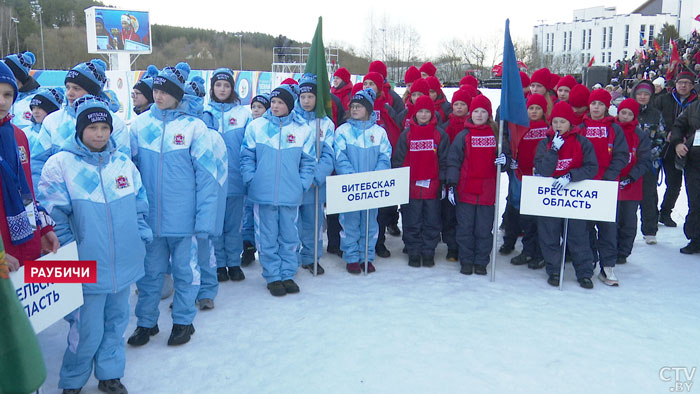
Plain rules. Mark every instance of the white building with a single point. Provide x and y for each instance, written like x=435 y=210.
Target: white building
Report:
x=602 y=33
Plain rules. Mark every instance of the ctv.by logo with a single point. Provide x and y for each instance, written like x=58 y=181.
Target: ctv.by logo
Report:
x=681 y=377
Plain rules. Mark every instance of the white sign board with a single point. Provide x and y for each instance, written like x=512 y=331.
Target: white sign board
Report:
x=46 y=303
x=367 y=190
x=585 y=200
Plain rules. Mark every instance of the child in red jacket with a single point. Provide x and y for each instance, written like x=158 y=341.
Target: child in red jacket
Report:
x=471 y=176
x=423 y=147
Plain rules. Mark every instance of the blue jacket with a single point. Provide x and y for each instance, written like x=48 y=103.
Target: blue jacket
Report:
x=325 y=164
x=278 y=159
x=97 y=199
x=175 y=155
x=230 y=120
x=22 y=113
x=361 y=146
x=58 y=131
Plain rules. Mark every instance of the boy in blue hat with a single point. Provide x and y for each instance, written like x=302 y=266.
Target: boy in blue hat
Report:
x=43 y=103
x=95 y=194
x=174 y=153
x=306 y=107
x=58 y=129
x=225 y=114
x=142 y=92
x=21 y=64
x=360 y=145
x=278 y=159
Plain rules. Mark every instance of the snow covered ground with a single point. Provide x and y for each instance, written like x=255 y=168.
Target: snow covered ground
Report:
x=431 y=330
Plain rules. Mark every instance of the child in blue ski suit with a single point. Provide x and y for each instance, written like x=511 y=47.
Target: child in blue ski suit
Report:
x=360 y=145
x=278 y=160
x=95 y=195
x=43 y=103
x=225 y=115
x=21 y=64
x=306 y=107
x=176 y=160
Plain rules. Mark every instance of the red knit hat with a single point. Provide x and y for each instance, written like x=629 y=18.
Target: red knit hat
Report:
x=462 y=95
x=553 y=80
x=578 y=97
x=434 y=83
x=562 y=109
x=343 y=74
x=420 y=85
x=411 y=75
x=600 y=95
x=481 y=101
x=428 y=68
x=289 y=81
x=356 y=88
x=375 y=77
x=567 y=81
x=537 y=99
x=424 y=102
x=542 y=76
x=379 y=67
x=630 y=104
x=469 y=80
x=524 y=79
x=471 y=90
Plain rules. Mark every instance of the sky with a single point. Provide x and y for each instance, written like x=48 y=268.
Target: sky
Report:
x=345 y=22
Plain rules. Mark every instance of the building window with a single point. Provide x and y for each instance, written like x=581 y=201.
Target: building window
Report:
x=651 y=32
x=605 y=31
x=624 y=55
x=609 y=57
x=627 y=35
x=583 y=40
x=547 y=45
x=602 y=57
x=570 y=41
x=583 y=58
x=610 y=30
x=564 y=49
x=590 y=31
x=642 y=34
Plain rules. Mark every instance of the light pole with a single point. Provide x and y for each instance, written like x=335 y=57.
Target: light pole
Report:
x=41 y=33
x=383 y=30
x=240 y=49
x=16 y=22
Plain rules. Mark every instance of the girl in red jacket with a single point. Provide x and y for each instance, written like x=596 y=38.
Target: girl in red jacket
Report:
x=342 y=85
x=471 y=176
x=630 y=194
x=523 y=148
x=423 y=147
x=412 y=74
x=442 y=106
x=540 y=84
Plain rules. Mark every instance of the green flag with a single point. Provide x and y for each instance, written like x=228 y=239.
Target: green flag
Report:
x=22 y=368
x=316 y=64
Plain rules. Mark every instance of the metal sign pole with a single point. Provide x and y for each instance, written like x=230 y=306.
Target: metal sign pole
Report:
x=366 y=241
x=316 y=198
x=563 y=254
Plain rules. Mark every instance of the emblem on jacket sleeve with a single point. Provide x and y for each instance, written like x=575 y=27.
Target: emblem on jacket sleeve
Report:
x=179 y=139
x=22 y=154
x=232 y=122
x=371 y=138
x=291 y=138
x=27 y=115
x=122 y=182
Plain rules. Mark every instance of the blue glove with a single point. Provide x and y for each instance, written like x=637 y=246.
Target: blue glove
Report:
x=557 y=142
x=561 y=182
x=625 y=182
x=500 y=160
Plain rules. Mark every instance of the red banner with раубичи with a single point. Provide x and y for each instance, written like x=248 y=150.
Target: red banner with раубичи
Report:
x=49 y=271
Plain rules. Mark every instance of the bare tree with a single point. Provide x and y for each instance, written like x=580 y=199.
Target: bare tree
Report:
x=451 y=63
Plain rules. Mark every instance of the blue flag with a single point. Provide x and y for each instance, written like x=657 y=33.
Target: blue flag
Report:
x=513 y=107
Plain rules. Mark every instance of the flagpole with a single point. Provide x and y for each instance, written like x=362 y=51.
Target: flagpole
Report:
x=316 y=197
x=494 y=230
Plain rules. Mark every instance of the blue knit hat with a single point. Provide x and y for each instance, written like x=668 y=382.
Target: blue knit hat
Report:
x=113 y=102
x=89 y=76
x=49 y=100
x=145 y=84
x=365 y=97
x=307 y=83
x=195 y=87
x=90 y=109
x=7 y=77
x=223 y=74
x=285 y=93
x=172 y=80
x=20 y=64
x=263 y=99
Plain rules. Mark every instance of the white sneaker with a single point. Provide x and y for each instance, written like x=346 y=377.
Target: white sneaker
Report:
x=650 y=239
x=607 y=276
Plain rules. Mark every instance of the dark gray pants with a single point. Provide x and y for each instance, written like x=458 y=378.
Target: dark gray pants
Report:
x=474 y=233
x=449 y=224
x=626 y=226
x=691 y=228
x=650 y=203
x=550 y=232
x=603 y=242
x=531 y=246
x=421 y=226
